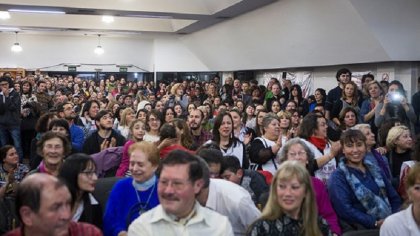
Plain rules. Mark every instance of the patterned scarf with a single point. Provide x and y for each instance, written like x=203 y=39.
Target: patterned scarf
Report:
x=377 y=206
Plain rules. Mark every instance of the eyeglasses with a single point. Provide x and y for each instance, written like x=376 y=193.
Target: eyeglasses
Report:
x=295 y=154
x=89 y=173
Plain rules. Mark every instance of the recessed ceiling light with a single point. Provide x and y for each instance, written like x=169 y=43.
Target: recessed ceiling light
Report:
x=108 y=19
x=36 y=11
x=4 y=15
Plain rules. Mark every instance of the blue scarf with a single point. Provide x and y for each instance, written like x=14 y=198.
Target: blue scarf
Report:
x=145 y=185
x=377 y=206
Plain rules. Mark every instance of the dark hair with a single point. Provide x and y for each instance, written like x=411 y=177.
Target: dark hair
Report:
x=368 y=75
x=50 y=135
x=230 y=163
x=101 y=114
x=42 y=123
x=217 y=123
x=29 y=194
x=323 y=93
x=352 y=136
x=400 y=87
x=60 y=106
x=416 y=150
x=3 y=152
x=343 y=113
x=179 y=157
x=88 y=105
x=117 y=112
x=309 y=125
x=41 y=81
x=155 y=113
x=141 y=110
x=60 y=123
x=211 y=155
x=167 y=131
x=70 y=170
x=30 y=87
x=299 y=90
x=342 y=71
x=166 y=109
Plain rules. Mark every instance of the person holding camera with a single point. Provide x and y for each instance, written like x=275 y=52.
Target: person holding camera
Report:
x=395 y=105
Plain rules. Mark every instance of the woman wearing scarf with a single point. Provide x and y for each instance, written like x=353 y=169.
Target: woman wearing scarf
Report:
x=359 y=192
x=313 y=130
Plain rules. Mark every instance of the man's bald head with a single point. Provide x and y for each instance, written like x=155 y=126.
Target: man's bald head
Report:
x=30 y=190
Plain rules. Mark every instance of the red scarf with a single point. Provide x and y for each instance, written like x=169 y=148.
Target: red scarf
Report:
x=319 y=143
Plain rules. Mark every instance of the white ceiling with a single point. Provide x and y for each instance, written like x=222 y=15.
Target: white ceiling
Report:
x=132 y=17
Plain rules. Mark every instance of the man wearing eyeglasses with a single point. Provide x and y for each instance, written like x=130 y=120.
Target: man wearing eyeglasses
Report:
x=66 y=111
x=181 y=179
x=10 y=106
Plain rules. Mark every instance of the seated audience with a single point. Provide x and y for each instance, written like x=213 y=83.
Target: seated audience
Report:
x=79 y=174
x=406 y=167
x=43 y=204
x=360 y=193
x=133 y=196
x=251 y=180
x=53 y=148
x=181 y=179
x=296 y=149
x=291 y=208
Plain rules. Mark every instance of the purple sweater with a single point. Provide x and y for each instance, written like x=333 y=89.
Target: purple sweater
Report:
x=325 y=208
x=123 y=168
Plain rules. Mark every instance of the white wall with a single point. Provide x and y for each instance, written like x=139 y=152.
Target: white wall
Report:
x=41 y=51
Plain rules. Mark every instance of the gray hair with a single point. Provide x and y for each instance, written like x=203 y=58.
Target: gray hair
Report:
x=361 y=127
x=268 y=118
x=291 y=142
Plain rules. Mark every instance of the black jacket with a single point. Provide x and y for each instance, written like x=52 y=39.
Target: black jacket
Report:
x=10 y=109
x=93 y=142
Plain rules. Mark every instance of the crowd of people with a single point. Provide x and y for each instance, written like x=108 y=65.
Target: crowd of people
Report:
x=208 y=157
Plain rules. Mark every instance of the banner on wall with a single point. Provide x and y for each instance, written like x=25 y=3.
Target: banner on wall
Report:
x=303 y=78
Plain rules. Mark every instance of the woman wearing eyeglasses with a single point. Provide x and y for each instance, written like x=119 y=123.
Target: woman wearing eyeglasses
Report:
x=79 y=174
x=135 y=195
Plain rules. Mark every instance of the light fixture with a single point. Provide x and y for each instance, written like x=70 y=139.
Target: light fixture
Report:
x=4 y=15
x=36 y=11
x=99 y=50
x=108 y=19
x=16 y=46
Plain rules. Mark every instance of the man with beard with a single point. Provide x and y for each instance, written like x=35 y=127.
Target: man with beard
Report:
x=66 y=111
x=44 y=100
x=179 y=213
x=200 y=136
x=104 y=137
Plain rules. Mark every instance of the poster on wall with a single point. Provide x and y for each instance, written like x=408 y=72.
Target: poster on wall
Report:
x=303 y=78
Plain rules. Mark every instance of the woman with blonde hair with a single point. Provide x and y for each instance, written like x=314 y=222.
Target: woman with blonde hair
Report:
x=178 y=96
x=291 y=207
x=127 y=116
x=399 y=144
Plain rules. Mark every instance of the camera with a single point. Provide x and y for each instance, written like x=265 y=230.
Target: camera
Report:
x=395 y=97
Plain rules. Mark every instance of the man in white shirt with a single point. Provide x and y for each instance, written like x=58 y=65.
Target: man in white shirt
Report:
x=179 y=213
x=228 y=199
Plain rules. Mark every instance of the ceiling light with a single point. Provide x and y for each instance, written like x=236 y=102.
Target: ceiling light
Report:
x=36 y=11
x=108 y=19
x=99 y=50
x=4 y=15
x=16 y=46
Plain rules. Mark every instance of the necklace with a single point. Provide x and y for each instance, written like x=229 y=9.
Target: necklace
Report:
x=143 y=207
